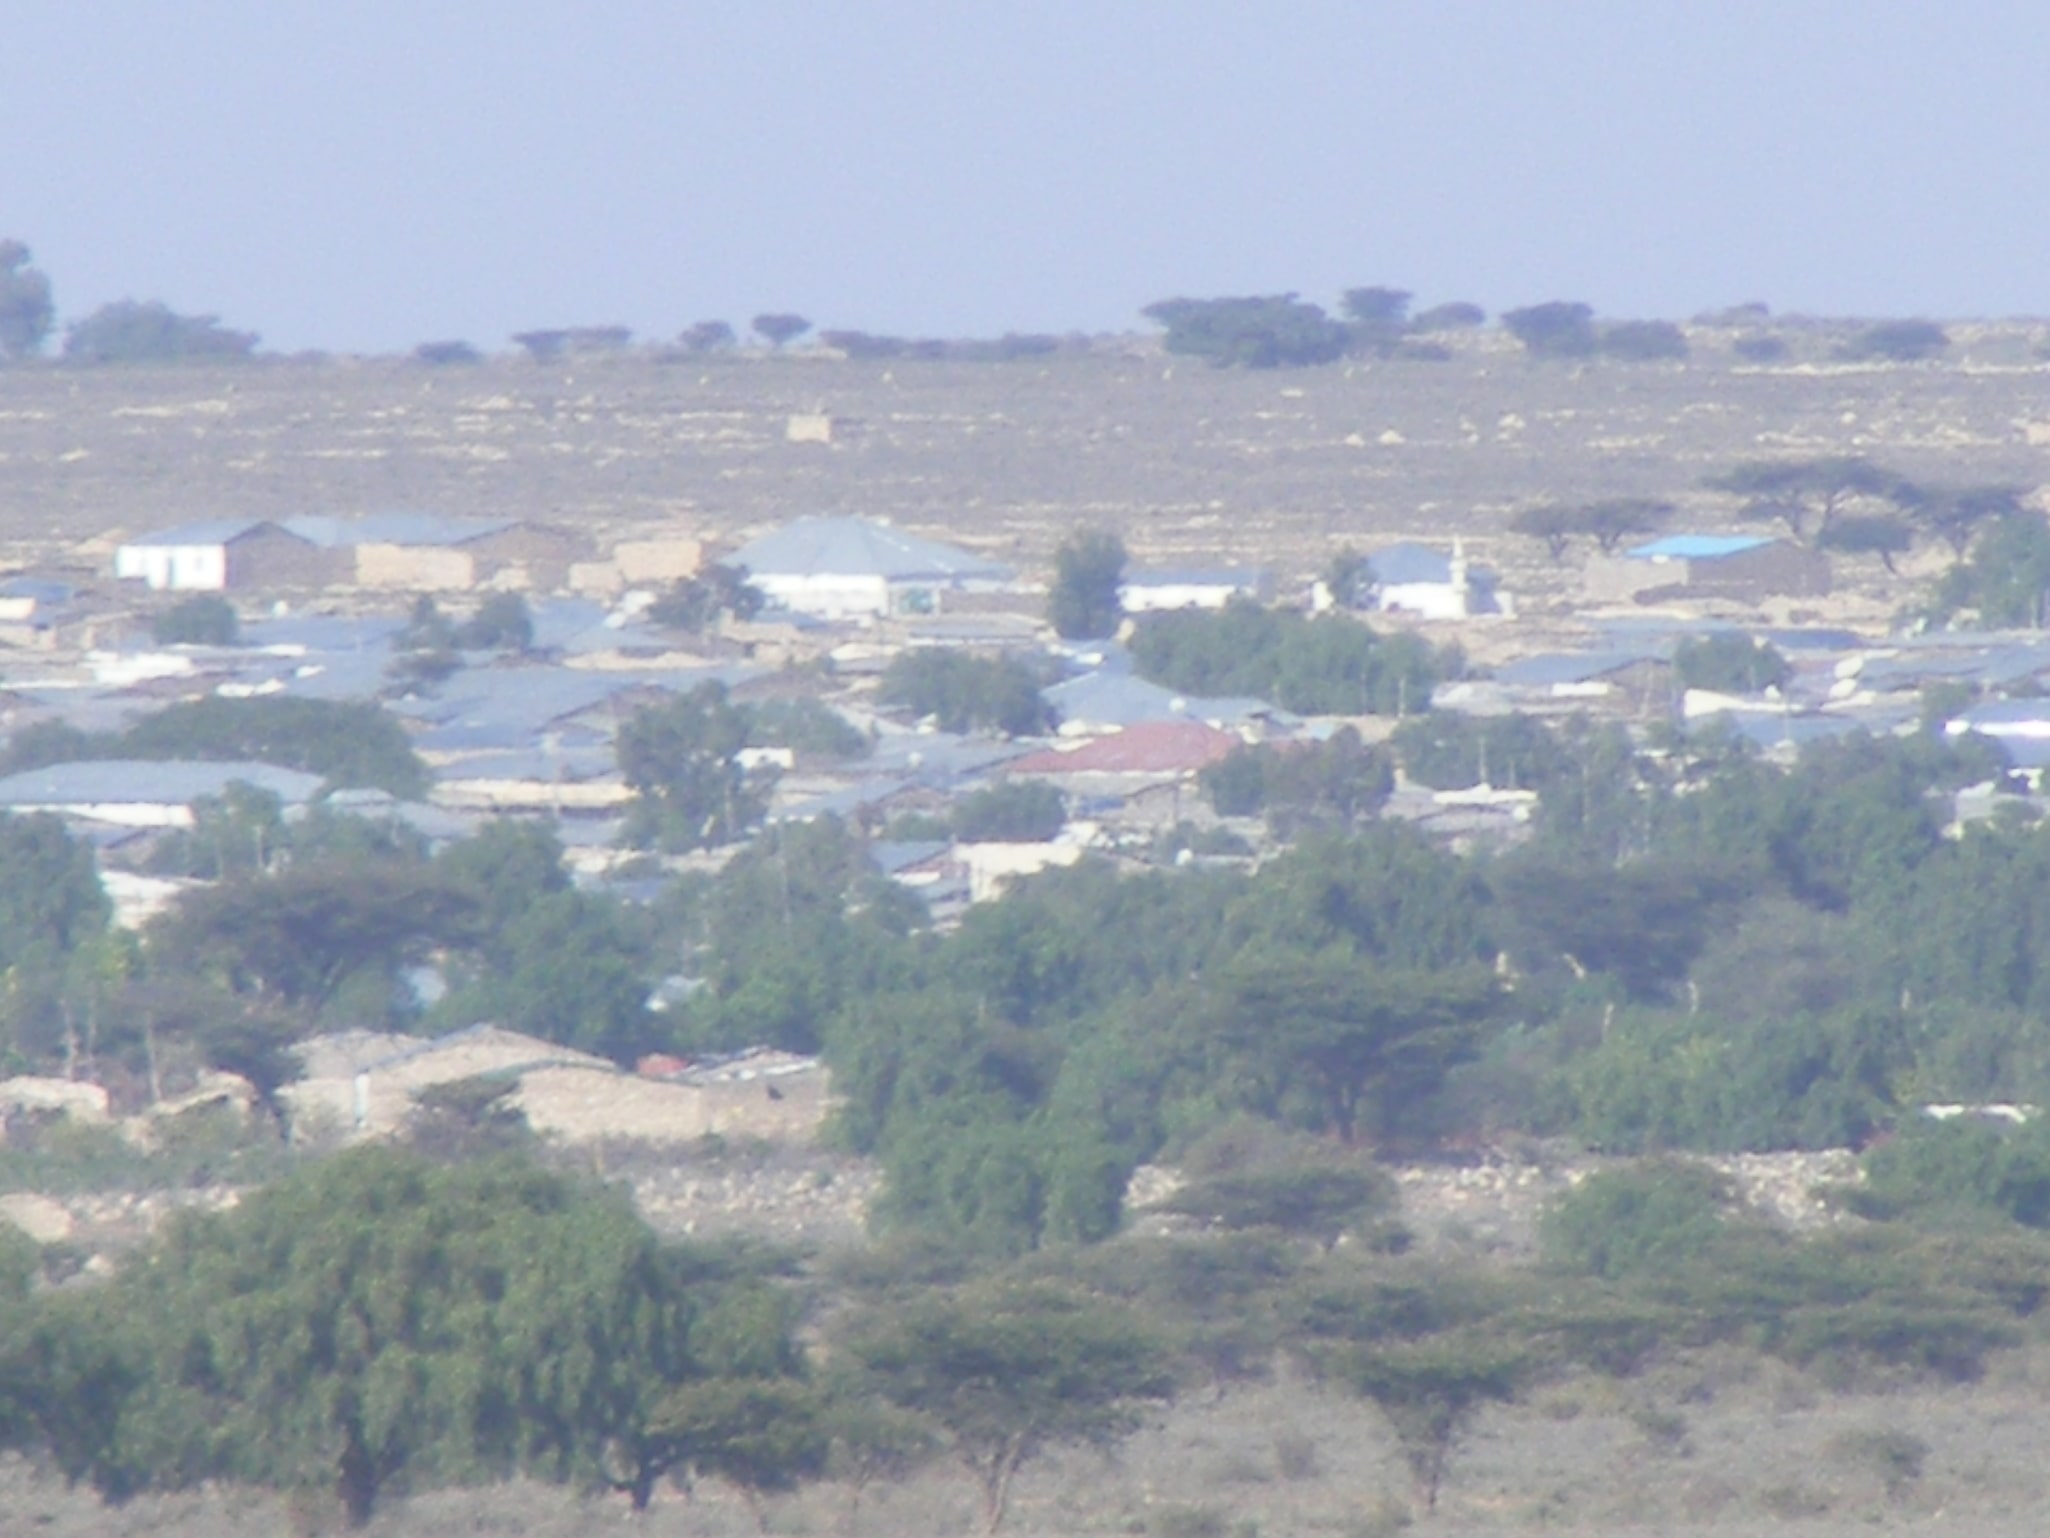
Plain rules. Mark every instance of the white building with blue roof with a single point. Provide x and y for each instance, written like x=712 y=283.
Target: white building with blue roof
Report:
x=854 y=569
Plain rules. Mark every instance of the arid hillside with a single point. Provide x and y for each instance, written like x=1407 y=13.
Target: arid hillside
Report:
x=1188 y=461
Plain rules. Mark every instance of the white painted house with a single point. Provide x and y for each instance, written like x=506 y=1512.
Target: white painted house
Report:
x=850 y=568
x=1416 y=579
x=214 y=556
x=1152 y=590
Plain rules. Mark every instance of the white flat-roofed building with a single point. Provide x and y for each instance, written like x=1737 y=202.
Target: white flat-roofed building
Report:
x=850 y=568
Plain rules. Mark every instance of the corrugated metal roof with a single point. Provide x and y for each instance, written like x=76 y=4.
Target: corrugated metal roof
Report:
x=217 y=531
x=1569 y=667
x=1400 y=565
x=143 y=782
x=397 y=528
x=1153 y=747
x=854 y=547
x=1697 y=547
x=1108 y=698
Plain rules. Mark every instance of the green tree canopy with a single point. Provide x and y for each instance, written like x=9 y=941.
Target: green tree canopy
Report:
x=682 y=760
x=1326 y=665
x=1643 y=341
x=1896 y=341
x=1345 y=1043
x=152 y=332
x=502 y=623
x=26 y=309
x=964 y=693
x=1009 y=1371
x=780 y=327
x=1558 y=329
x=1084 y=601
x=1730 y=662
x=1808 y=495
x=1266 y=331
x=205 y=619
x=295 y=938
x=1016 y=811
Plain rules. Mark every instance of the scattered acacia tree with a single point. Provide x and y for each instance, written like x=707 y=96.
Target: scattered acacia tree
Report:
x=1339 y=1043
x=1089 y=570
x=445 y=354
x=1607 y=522
x=1379 y=316
x=152 y=332
x=1807 y=495
x=1458 y=315
x=1008 y=1371
x=780 y=328
x=565 y=341
x=1558 y=329
x=683 y=762
x=26 y=310
x=1431 y=1390
x=1956 y=514
x=1263 y=331
x=205 y=619
x=1896 y=341
x=292 y=940
x=1429 y=1347
x=706 y=336
x=1869 y=534
x=1643 y=341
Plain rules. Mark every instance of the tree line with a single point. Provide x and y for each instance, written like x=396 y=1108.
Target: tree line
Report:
x=382 y=1323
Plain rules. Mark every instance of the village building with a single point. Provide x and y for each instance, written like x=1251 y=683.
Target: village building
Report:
x=1416 y=579
x=228 y=554
x=1745 y=568
x=424 y=552
x=853 y=569
x=1152 y=590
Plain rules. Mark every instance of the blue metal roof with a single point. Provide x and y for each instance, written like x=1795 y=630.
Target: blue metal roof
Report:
x=148 y=782
x=1116 y=699
x=854 y=547
x=1569 y=667
x=401 y=528
x=1405 y=563
x=1697 y=547
x=218 y=531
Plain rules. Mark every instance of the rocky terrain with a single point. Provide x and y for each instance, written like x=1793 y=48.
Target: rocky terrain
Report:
x=1188 y=461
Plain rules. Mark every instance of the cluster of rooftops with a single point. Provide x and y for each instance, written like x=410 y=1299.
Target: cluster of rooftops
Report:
x=534 y=732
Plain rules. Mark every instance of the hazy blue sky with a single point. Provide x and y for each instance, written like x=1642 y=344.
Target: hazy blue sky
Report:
x=366 y=174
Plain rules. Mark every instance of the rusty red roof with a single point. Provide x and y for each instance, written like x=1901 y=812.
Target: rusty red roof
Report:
x=1151 y=747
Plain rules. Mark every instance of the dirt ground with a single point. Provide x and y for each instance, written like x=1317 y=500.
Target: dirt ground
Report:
x=1191 y=463
x=1713 y=1445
